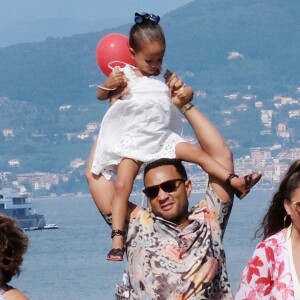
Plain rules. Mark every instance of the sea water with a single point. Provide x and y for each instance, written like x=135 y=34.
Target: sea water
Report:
x=70 y=263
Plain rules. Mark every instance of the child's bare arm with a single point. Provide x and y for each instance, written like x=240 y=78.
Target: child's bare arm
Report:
x=115 y=80
x=118 y=93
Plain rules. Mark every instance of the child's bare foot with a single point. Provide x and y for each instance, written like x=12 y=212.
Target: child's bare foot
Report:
x=242 y=185
x=117 y=251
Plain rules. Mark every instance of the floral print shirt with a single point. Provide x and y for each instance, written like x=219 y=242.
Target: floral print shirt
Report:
x=167 y=263
x=268 y=273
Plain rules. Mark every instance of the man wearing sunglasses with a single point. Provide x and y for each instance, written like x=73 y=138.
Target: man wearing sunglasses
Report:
x=174 y=253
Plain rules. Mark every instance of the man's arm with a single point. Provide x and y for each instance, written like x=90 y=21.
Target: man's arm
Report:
x=214 y=145
x=208 y=136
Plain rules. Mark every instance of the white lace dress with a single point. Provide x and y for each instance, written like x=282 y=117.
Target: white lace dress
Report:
x=143 y=126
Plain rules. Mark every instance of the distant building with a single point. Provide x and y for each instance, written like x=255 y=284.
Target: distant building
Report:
x=282 y=131
x=200 y=94
x=232 y=96
x=225 y=112
x=245 y=163
x=92 y=126
x=259 y=153
x=266 y=117
x=249 y=97
x=76 y=163
x=284 y=100
x=83 y=135
x=242 y=107
x=258 y=104
x=8 y=132
x=229 y=121
x=279 y=170
x=294 y=113
x=39 y=180
x=65 y=107
x=14 y=163
x=294 y=153
x=234 y=55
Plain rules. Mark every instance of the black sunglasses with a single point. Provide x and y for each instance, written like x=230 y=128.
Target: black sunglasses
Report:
x=139 y=18
x=169 y=186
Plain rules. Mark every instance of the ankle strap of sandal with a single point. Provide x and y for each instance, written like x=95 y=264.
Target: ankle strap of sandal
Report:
x=117 y=232
x=230 y=176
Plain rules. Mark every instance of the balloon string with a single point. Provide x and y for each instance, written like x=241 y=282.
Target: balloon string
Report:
x=116 y=62
x=102 y=87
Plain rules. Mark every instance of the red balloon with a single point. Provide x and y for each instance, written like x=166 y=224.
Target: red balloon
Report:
x=113 y=47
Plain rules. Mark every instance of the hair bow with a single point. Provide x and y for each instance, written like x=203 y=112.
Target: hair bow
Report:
x=139 y=18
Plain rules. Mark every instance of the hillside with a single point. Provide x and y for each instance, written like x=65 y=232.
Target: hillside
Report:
x=239 y=47
x=264 y=35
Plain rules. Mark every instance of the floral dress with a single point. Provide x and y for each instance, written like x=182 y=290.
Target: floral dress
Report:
x=268 y=273
x=165 y=262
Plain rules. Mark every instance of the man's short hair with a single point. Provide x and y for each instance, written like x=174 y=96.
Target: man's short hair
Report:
x=167 y=162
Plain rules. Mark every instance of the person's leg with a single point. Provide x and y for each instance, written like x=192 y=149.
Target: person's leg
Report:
x=192 y=153
x=101 y=189
x=127 y=171
x=212 y=143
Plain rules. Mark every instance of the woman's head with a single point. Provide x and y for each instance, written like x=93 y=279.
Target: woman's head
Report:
x=284 y=203
x=147 y=43
x=13 y=245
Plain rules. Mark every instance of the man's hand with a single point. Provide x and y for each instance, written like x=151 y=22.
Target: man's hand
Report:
x=173 y=81
x=180 y=93
x=182 y=96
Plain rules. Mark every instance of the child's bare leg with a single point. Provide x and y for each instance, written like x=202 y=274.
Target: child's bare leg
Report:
x=102 y=190
x=127 y=171
x=192 y=153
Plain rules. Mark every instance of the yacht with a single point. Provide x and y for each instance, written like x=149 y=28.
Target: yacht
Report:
x=18 y=206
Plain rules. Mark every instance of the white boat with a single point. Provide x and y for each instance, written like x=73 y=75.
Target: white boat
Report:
x=19 y=207
x=50 y=226
x=47 y=226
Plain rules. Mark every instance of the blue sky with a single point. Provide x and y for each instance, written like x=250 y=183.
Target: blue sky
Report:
x=12 y=11
x=34 y=20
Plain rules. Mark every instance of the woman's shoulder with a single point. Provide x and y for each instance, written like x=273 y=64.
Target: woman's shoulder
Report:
x=14 y=294
x=274 y=240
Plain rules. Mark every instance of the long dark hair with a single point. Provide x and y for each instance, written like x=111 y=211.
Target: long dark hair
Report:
x=273 y=222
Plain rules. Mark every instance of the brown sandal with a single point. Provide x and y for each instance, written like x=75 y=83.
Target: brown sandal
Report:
x=116 y=254
x=250 y=182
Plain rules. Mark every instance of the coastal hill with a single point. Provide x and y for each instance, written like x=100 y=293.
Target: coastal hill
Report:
x=235 y=53
x=221 y=45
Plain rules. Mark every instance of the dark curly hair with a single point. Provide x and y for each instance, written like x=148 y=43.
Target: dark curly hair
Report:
x=13 y=245
x=273 y=222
